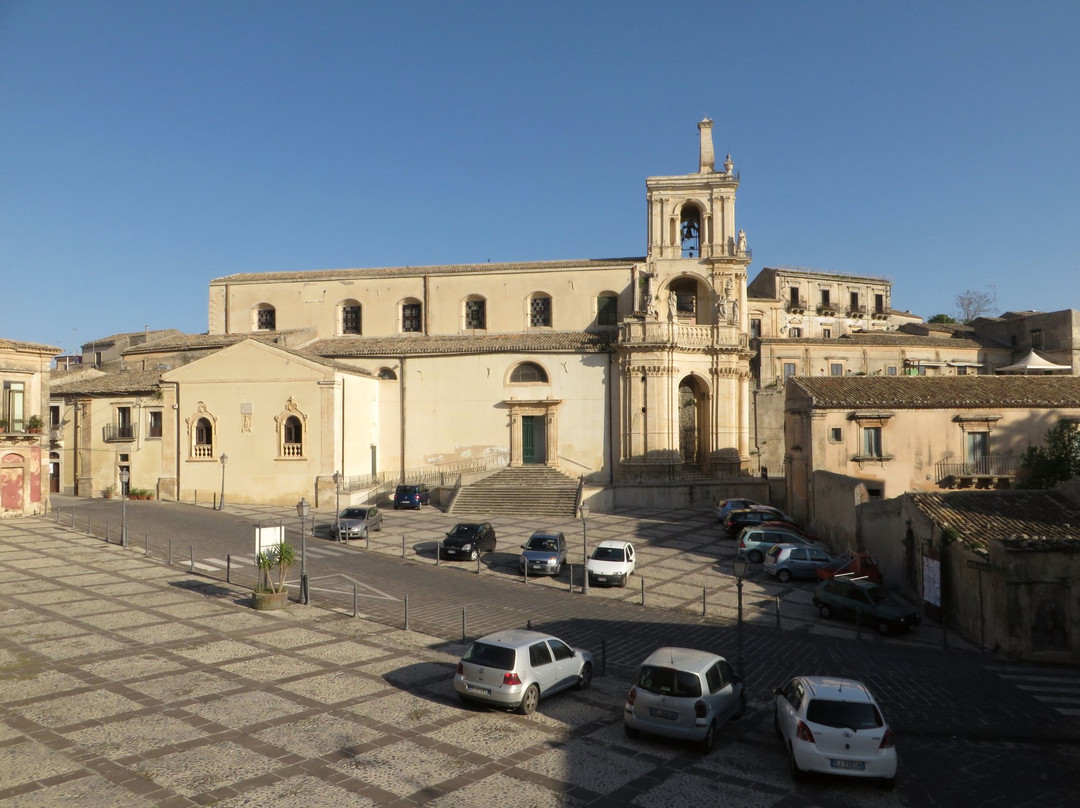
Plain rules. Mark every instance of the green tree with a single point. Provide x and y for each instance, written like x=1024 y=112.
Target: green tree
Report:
x=941 y=318
x=1056 y=461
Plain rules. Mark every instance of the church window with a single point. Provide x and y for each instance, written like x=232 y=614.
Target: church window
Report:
x=540 y=311
x=265 y=317
x=350 y=317
x=690 y=231
x=528 y=373
x=410 y=316
x=476 y=313
x=607 y=309
x=203 y=446
x=292 y=438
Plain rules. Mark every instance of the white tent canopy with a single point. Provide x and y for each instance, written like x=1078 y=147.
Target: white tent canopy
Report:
x=1034 y=363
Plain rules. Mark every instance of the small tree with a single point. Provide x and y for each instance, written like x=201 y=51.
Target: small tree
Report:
x=1056 y=461
x=972 y=304
x=282 y=558
x=941 y=318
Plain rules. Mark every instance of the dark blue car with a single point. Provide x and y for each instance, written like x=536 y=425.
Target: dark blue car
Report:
x=411 y=496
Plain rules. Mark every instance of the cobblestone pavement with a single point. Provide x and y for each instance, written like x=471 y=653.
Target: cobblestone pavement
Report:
x=126 y=681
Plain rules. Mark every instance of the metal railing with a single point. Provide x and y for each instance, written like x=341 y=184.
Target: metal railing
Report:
x=988 y=466
x=437 y=474
x=118 y=432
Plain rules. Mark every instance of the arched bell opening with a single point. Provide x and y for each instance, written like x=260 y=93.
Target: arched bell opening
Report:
x=693 y=422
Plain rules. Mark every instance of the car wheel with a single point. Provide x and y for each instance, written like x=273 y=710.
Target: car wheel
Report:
x=630 y=731
x=883 y=627
x=740 y=708
x=783 y=576
x=475 y=554
x=622 y=583
x=529 y=700
x=706 y=744
x=825 y=610
x=755 y=556
x=585 y=677
x=796 y=773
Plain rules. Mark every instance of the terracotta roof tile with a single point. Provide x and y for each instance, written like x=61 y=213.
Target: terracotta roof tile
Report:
x=1044 y=519
x=940 y=392
x=122 y=382
x=35 y=347
x=419 y=345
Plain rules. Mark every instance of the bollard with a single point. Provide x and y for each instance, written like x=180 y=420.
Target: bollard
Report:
x=170 y=551
x=106 y=531
x=355 y=602
x=305 y=589
x=367 y=536
x=603 y=657
x=478 y=565
x=406 y=612
x=526 y=573
x=777 y=612
x=463 y=634
x=438 y=551
x=571 y=577
x=642 y=591
x=228 y=568
x=191 y=557
x=702 y=601
x=402 y=545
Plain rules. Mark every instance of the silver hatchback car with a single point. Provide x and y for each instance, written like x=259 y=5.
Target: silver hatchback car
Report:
x=355 y=522
x=684 y=694
x=516 y=668
x=544 y=553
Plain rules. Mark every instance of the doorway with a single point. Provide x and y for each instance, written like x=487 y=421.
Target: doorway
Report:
x=533 y=439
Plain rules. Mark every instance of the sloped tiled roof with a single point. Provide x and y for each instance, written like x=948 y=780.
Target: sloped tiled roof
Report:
x=897 y=338
x=405 y=272
x=1020 y=518
x=940 y=392
x=196 y=342
x=20 y=345
x=121 y=382
x=419 y=345
x=113 y=338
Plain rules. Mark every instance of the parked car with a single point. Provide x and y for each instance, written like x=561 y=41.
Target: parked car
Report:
x=611 y=562
x=685 y=694
x=843 y=596
x=787 y=561
x=726 y=506
x=737 y=520
x=544 y=553
x=411 y=496
x=857 y=565
x=468 y=540
x=354 y=523
x=833 y=725
x=754 y=541
x=517 y=668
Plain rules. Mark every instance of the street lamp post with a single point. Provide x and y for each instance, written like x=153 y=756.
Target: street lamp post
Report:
x=337 y=504
x=125 y=475
x=224 y=459
x=739 y=566
x=302 y=510
x=584 y=549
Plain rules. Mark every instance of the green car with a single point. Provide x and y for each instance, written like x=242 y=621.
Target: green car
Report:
x=865 y=601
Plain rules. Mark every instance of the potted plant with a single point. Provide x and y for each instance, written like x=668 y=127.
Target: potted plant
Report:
x=33 y=424
x=108 y=491
x=3 y=424
x=274 y=562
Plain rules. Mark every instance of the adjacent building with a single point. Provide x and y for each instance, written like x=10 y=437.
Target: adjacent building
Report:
x=24 y=408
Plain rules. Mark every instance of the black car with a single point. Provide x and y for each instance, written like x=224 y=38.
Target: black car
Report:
x=860 y=599
x=411 y=496
x=469 y=540
x=737 y=520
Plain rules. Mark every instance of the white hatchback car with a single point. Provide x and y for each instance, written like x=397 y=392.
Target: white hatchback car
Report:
x=612 y=562
x=685 y=694
x=834 y=726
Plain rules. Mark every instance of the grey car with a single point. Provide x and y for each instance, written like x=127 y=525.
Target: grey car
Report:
x=544 y=553
x=516 y=668
x=754 y=542
x=355 y=522
x=787 y=561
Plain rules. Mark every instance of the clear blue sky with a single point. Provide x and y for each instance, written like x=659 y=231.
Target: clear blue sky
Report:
x=149 y=146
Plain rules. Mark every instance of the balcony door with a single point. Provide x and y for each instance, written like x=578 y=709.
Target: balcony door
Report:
x=976 y=450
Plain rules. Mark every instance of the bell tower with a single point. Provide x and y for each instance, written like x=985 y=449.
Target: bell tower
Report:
x=685 y=361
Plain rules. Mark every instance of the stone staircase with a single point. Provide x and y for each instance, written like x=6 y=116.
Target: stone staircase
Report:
x=531 y=490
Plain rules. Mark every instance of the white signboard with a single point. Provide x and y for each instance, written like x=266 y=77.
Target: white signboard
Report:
x=268 y=537
x=931 y=580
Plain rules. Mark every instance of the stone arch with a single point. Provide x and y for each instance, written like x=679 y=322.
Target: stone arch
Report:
x=693 y=420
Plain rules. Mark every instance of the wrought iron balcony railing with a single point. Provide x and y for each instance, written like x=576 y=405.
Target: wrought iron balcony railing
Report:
x=988 y=466
x=118 y=432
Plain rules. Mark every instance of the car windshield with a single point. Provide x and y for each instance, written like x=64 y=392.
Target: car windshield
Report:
x=491 y=656
x=609 y=554
x=669 y=682
x=353 y=513
x=843 y=714
x=408 y=489
x=464 y=530
x=542 y=543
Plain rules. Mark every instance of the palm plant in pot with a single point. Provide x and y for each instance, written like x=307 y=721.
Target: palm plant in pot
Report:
x=273 y=562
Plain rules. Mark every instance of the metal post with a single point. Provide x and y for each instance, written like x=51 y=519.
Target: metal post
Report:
x=191 y=557
x=228 y=568
x=337 y=505
x=463 y=634
x=777 y=612
x=170 y=551
x=571 y=577
x=125 y=475
x=642 y=591
x=224 y=459
x=406 y=612
x=584 y=549
x=402 y=545
x=302 y=510
x=702 y=601
x=355 y=602
x=478 y=565
x=438 y=551
x=106 y=531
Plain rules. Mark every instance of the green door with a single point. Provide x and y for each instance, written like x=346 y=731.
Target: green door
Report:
x=528 y=437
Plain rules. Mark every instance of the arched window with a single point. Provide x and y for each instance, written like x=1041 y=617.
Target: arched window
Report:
x=349 y=318
x=540 y=310
x=291 y=424
x=475 y=313
x=387 y=373
x=204 y=439
x=411 y=315
x=690 y=231
x=528 y=373
x=607 y=308
x=265 y=317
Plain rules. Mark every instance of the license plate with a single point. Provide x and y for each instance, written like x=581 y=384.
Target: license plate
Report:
x=847 y=764
x=483 y=691
x=668 y=714
x=600 y=578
